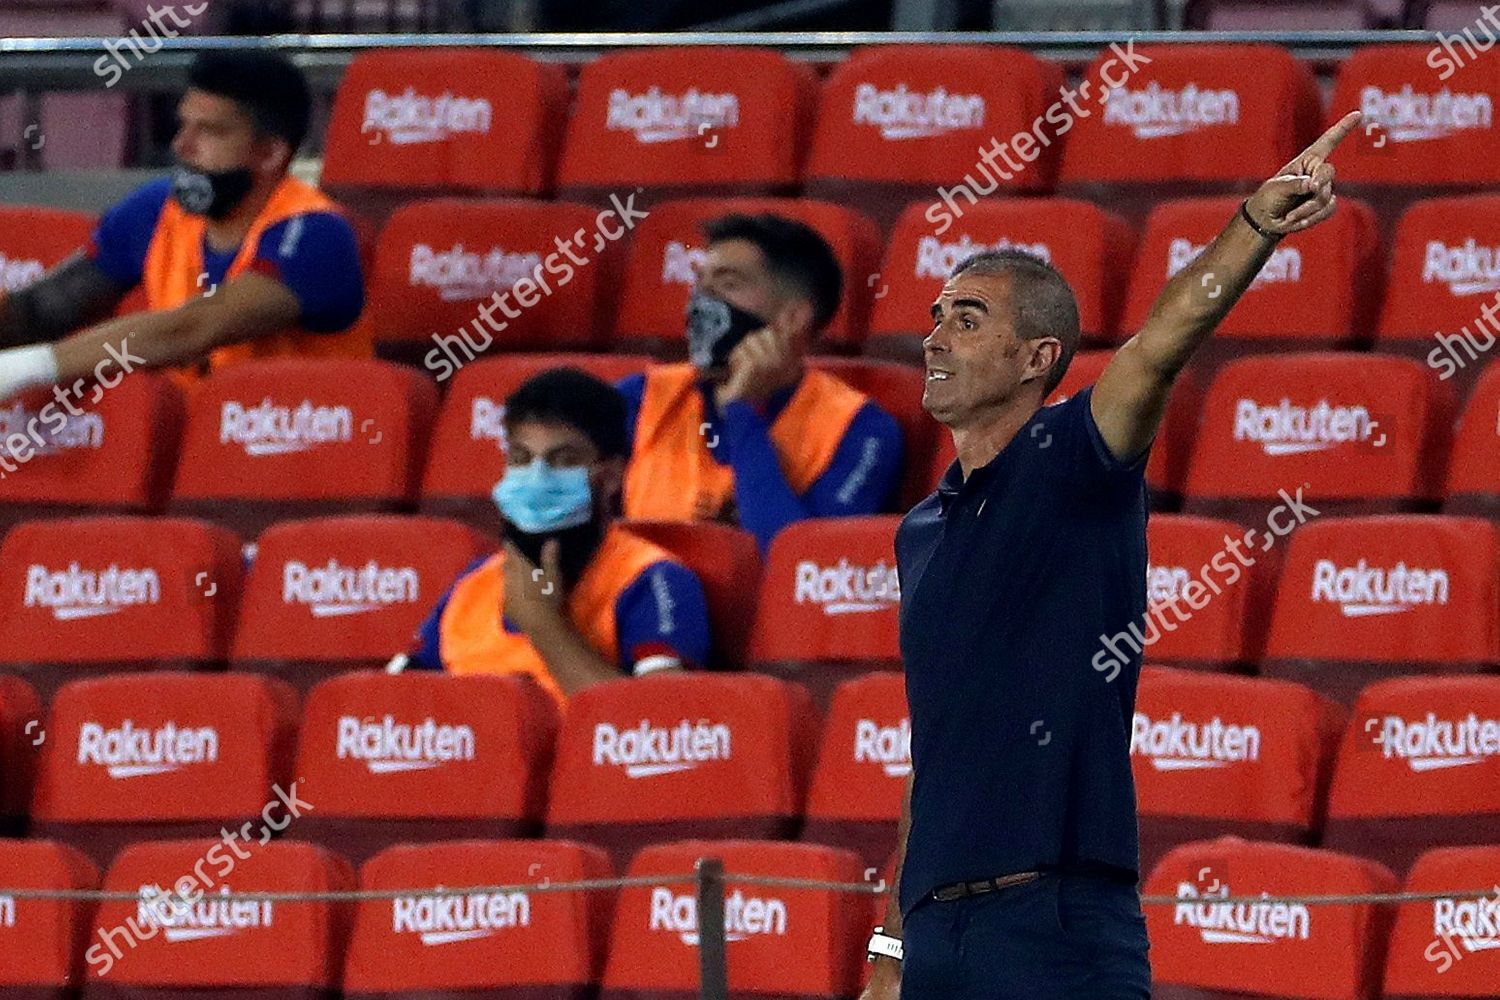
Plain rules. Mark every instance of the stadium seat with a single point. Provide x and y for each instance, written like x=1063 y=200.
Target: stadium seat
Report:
x=1318 y=290
x=643 y=760
x=467 y=453
x=1217 y=755
x=1088 y=245
x=536 y=946
x=1196 y=119
x=668 y=245
x=726 y=561
x=1199 y=947
x=864 y=758
x=1220 y=627
x=1447 y=947
x=1421 y=136
x=896 y=121
x=33 y=240
x=1347 y=433
x=115 y=454
x=538 y=270
x=669 y=122
x=828 y=604
x=432 y=121
x=334 y=594
x=1474 y=469
x=1445 y=273
x=1417 y=768
x=215 y=947
x=1368 y=598
x=166 y=754
x=898 y=389
x=420 y=757
x=42 y=939
x=21 y=732
x=106 y=594
x=268 y=441
x=792 y=944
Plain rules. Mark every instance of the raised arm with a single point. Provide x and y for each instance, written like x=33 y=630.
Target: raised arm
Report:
x=1131 y=394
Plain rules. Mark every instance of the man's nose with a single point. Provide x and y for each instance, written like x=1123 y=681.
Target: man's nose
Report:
x=935 y=342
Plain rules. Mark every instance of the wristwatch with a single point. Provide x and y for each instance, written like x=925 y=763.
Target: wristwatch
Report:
x=882 y=944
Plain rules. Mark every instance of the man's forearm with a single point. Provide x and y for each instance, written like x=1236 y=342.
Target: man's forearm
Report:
x=892 y=923
x=71 y=295
x=574 y=664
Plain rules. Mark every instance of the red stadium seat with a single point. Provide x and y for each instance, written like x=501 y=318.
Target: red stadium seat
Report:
x=274 y=440
x=1418 y=768
x=116 y=453
x=216 y=947
x=21 y=732
x=1350 y=434
x=1474 y=470
x=538 y=270
x=648 y=759
x=1455 y=934
x=1229 y=755
x=345 y=593
x=166 y=754
x=42 y=939
x=1218 y=629
x=1445 y=273
x=898 y=390
x=467 y=455
x=864 y=758
x=1205 y=950
x=105 y=594
x=33 y=240
x=785 y=943
x=726 y=561
x=677 y=121
x=1195 y=119
x=443 y=121
x=422 y=757
x=1088 y=245
x=897 y=121
x=537 y=946
x=667 y=247
x=828 y=603
x=1364 y=599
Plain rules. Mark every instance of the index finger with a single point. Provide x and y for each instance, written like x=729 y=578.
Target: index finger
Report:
x=1326 y=143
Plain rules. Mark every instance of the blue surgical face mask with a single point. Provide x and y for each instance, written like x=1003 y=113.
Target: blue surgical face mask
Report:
x=539 y=499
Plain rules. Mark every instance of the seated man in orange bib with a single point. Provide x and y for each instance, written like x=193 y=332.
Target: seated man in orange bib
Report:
x=237 y=258
x=572 y=599
x=745 y=432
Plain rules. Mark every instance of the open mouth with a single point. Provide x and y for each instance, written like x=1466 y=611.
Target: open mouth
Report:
x=938 y=375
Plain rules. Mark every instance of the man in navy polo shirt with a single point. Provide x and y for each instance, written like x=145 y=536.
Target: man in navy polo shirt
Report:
x=1018 y=850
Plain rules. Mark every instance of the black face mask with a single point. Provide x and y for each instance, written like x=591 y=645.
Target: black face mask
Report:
x=211 y=193
x=575 y=547
x=714 y=327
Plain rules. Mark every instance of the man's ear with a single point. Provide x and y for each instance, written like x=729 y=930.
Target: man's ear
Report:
x=273 y=156
x=795 y=315
x=1045 y=354
x=609 y=484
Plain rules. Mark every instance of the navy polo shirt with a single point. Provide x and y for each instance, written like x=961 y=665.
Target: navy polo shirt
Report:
x=1020 y=731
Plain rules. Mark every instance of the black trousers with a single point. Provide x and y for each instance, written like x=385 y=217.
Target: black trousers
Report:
x=1062 y=937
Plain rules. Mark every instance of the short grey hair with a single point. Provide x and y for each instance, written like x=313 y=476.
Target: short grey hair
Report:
x=1041 y=302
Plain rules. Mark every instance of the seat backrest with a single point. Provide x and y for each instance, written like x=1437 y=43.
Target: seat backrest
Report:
x=34 y=240
x=1215 y=597
x=1474 y=469
x=1445 y=267
x=864 y=756
x=686 y=118
x=42 y=938
x=782 y=942
x=1448 y=947
x=21 y=731
x=480 y=941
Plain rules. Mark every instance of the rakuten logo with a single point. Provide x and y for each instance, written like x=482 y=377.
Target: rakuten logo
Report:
x=1174 y=745
x=1475 y=922
x=844 y=589
x=487 y=421
x=447 y=919
x=647 y=750
x=901 y=114
x=206 y=917
x=742 y=916
x=1362 y=590
x=335 y=590
x=936 y=259
x=657 y=117
x=1407 y=116
x=58 y=431
x=1283 y=267
x=1434 y=744
x=7 y=911
x=1240 y=923
x=1469 y=269
x=409 y=118
x=75 y=592
x=888 y=746
x=1154 y=113
x=1164 y=584
x=461 y=275
x=388 y=747
x=129 y=752
x=18 y=272
x=269 y=429
x=680 y=262
x=1283 y=429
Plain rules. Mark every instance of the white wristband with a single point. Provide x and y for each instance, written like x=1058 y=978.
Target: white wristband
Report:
x=24 y=368
x=884 y=945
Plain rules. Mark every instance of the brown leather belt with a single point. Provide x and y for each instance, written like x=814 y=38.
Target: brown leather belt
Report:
x=958 y=890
